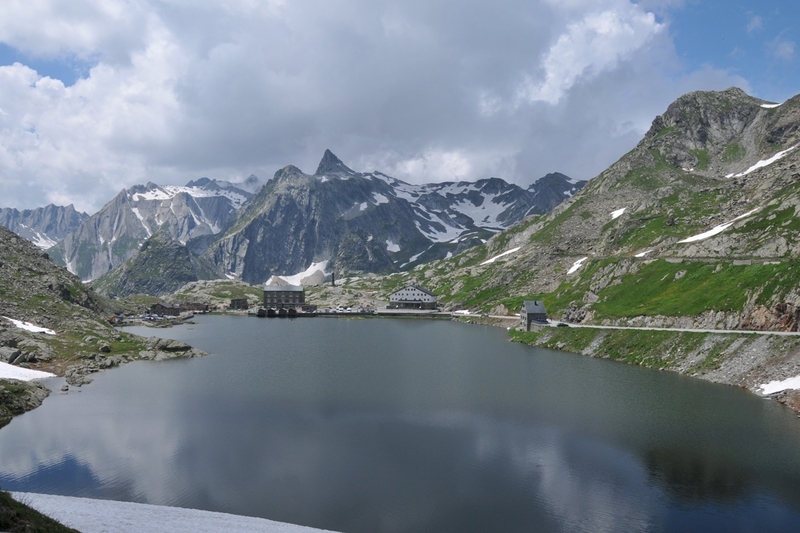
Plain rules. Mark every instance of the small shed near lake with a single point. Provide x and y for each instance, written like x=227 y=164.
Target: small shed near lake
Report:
x=532 y=311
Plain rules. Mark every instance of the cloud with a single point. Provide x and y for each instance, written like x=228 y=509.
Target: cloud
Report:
x=755 y=24
x=598 y=42
x=781 y=48
x=180 y=89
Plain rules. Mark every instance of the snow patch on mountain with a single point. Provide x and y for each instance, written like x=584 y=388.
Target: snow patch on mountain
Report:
x=300 y=277
x=168 y=192
x=27 y=326
x=495 y=258
x=576 y=265
x=716 y=229
x=763 y=163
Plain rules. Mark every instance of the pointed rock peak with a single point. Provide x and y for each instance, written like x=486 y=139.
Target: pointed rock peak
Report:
x=331 y=164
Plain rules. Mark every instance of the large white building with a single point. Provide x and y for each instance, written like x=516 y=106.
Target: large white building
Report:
x=412 y=297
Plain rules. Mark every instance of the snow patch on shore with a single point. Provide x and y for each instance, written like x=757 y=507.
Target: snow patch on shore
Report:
x=105 y=516
x=8 y=371
x=777 y=386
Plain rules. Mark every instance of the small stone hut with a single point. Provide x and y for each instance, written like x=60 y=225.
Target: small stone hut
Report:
x=532 y=311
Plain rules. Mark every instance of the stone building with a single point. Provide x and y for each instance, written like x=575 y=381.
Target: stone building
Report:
x=284 y=296
x=532 y=311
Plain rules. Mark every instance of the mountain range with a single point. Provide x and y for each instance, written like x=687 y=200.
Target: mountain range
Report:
x=43 y=226
x=336 y=219
x=191 y=215
x=348 y=221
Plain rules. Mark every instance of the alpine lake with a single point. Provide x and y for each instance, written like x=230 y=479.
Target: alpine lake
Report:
x=403 y=425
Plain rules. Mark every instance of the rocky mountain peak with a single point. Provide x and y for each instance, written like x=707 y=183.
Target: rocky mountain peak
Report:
x=330 y=164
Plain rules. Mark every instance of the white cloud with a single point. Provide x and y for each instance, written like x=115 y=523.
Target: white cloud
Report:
x=755 y=24
x=598 y=42
x=781 y=48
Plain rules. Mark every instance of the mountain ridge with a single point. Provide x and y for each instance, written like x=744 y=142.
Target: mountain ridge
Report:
x=43 y=226
x=369 y=221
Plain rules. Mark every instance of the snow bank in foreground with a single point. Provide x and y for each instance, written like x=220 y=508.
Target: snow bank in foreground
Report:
x=103 y=516
x=717 y=229
x=23 y=374
x=30 y=327
x=777 y=386
x=576 y=265
x=495 y=258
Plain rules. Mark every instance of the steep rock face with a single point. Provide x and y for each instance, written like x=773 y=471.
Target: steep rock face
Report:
x=43 y=226
x=367 y=221
x=161 y=267
x=198 y=211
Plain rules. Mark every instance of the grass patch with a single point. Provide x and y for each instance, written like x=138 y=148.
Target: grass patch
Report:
x=18 y=517
x=733 y=152
x=654 y=289
x=703 y=159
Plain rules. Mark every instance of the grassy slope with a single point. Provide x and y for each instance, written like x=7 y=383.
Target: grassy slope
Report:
x=16 y=517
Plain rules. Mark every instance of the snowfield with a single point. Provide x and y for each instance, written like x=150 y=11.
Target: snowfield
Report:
x=105 y=516
x=8 y=371
x=296 y=279
x=495 y=258
x=576 y=265
x=168 y=192
x=716 y=229
x=763 y=163
x=618 y=213
x=777 y=386
x=30 y=327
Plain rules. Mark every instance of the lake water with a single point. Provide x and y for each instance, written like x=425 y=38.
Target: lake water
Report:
x=381 y=425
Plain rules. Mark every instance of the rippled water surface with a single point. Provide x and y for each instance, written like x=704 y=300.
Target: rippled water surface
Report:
x=412 y=426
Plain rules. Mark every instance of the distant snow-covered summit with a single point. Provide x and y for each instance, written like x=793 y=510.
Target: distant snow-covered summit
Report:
x=197 y=211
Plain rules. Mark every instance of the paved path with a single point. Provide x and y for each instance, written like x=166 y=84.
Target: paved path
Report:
x=553 y=323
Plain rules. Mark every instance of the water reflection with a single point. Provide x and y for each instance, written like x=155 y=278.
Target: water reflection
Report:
x=536 y=445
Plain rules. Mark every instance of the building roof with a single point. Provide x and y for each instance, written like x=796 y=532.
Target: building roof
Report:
x=283 y=288
x=426 y=291
x=533 y=307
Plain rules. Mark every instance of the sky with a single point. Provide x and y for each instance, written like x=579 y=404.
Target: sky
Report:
x=100 y=95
